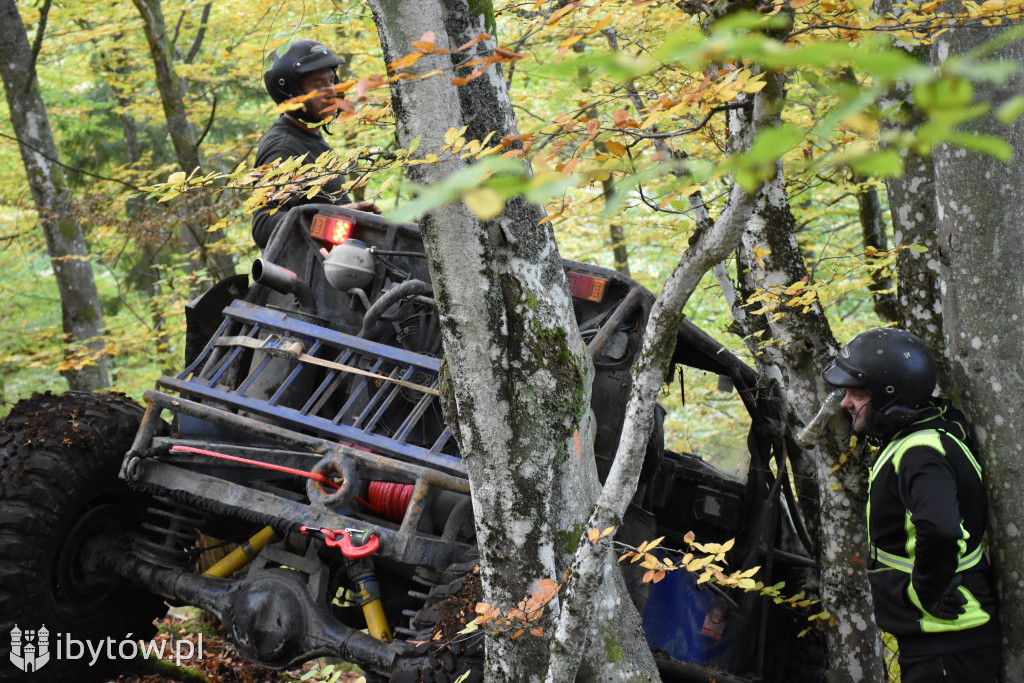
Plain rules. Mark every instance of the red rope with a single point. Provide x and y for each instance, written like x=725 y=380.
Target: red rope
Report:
x=388 y=499
x=257 y=463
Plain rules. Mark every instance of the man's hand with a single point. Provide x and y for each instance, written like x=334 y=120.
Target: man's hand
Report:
x=950 y=604
x=366 y=206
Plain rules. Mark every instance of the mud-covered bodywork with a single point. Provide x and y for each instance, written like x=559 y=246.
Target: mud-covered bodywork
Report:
x=360 y=559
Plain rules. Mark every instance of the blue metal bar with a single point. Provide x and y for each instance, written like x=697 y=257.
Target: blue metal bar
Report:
x=290 y=416
x=257 y=314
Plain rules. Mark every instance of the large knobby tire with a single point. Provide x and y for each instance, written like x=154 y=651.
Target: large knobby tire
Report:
x=442 y=655
x=59 y=459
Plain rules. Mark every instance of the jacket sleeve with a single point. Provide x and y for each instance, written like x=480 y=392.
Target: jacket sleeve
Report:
x=263 y=224
x=928 y=488
x=274 y=148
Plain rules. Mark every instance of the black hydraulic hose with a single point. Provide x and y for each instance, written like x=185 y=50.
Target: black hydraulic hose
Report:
x=400 y=291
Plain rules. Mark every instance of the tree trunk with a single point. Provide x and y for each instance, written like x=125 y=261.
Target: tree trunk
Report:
x=873 y=229
x=914 y=213
x=80 y=305
x=802 y=344
x=980 y=204
x=183 y=137
x=518 y=378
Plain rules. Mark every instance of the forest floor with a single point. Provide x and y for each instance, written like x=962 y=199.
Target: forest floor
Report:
x=215 y=659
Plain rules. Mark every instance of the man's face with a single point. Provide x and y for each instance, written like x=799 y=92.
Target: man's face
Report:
x=321 y=81
x=856 y=403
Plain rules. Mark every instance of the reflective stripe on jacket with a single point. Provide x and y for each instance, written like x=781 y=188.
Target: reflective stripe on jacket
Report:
x=893 y=530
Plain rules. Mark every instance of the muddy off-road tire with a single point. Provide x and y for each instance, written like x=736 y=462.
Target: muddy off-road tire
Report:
x=59 y=459
x=446 y=611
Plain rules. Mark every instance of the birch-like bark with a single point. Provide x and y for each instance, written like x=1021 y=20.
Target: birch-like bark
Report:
x=914 y=210
x=81 y=315
x=801 y=345
x=980 y=204
x=518 y=374
x=649 y=376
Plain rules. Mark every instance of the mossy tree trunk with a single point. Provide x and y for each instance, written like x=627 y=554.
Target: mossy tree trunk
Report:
x=799 y=345
x=518 y=374
x=914 y=211
x=979 y=236
x=197 y=235
x=81 y=315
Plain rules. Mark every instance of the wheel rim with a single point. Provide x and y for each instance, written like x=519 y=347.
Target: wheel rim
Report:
x=77 y=592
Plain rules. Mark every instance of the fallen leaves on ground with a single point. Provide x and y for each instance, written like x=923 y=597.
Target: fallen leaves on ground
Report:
x=217 y=661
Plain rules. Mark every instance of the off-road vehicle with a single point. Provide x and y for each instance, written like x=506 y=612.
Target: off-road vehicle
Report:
x=306 y=430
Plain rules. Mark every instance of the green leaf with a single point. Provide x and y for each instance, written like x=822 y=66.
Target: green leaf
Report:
x=993 y=70
x=453 y=187
x=1001 y=39
x=1011 y=110
x=944 y=93
x=986 y=144
x=883 y=163
x=749 y=20
x=772 y=143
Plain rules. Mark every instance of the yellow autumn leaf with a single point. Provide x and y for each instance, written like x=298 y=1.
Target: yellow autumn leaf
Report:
x=484 y=202
x=753 y=86
x=655 y=543
x=616 y=148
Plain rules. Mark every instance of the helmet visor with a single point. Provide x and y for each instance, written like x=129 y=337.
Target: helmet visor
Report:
x=316 y=62
x=838 y=376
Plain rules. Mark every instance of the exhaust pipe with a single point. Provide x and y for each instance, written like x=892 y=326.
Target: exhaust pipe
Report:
x=284 y=281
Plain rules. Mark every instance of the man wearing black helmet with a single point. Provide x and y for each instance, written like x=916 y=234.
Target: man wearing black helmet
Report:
x=928 y=568
x=306 y=68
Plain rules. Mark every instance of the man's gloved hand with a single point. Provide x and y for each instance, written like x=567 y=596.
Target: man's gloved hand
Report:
x=948 y=605
x=365 y=205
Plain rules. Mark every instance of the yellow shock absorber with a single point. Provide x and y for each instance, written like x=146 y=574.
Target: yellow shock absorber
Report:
x=376 y=622
x=361 y=574
x=240 y=556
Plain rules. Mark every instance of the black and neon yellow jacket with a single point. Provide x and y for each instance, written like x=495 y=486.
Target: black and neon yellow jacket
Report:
x=284 y=140
x=926 y=525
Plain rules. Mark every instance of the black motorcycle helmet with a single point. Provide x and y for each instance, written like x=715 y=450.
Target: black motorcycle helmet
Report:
x=895 y=367
x=284 y=74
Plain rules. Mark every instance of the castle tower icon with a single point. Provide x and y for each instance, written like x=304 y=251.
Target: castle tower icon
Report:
x=30 y=650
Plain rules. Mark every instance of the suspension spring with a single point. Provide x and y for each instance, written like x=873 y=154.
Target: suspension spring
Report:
x=172 y=530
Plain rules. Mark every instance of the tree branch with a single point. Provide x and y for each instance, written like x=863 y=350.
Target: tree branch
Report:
x=659 y=342
x=65 y=166
x=198 y=42
x=37 y=42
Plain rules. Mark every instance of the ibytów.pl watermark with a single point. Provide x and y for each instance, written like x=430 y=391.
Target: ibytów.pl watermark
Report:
x=32 y=649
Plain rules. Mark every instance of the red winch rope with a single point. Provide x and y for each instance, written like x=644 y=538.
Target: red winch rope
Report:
x=389 y=499
x=386 y=498
x=257 y=463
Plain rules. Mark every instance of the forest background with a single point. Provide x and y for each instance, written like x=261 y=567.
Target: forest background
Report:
x=623 y=116
x=96 y=77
